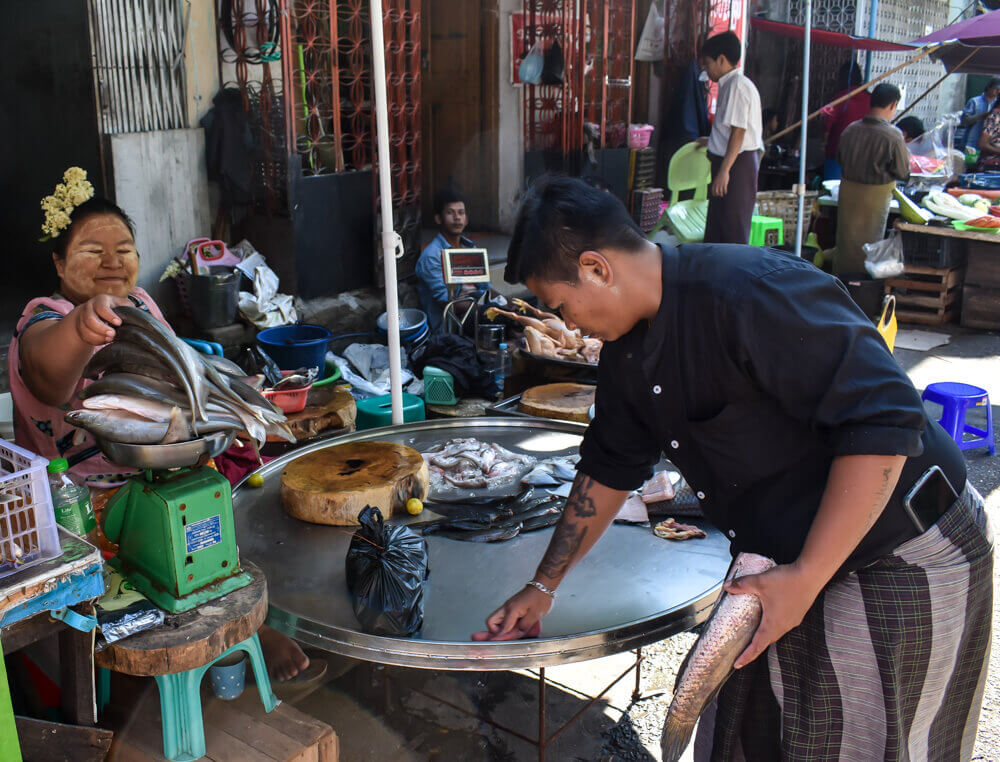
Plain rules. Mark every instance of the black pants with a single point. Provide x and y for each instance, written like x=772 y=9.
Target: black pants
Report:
x=729 y=216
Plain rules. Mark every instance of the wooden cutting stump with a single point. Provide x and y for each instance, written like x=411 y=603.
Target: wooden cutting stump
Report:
x=333 y=485
x=565 y=401
x=328 y=407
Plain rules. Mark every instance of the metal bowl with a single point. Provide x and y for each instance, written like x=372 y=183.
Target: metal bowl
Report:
x=160 y=456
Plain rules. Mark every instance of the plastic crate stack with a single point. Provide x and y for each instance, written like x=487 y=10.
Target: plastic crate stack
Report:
x=642 y=168
x=646 y=207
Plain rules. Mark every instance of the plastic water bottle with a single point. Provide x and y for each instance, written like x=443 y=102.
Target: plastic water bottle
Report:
x=71 y=502
x=502 y=369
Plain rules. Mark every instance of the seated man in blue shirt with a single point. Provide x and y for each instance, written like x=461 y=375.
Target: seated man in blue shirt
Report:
x=451 y=216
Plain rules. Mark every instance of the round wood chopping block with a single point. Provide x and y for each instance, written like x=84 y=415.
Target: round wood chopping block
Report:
x=333 y=485
x=196 y=637
x=565 y=401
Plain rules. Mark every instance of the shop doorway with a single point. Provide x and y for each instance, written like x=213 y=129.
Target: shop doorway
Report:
x=459 y=98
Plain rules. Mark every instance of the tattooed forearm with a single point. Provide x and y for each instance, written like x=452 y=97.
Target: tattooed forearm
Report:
x=563 y=546
x=570 y=531
x=580 y=501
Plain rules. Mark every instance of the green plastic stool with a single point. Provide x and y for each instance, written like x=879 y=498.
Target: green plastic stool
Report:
x=766 y=231
x=439 y=387
x=180 y=701
x=377 y=411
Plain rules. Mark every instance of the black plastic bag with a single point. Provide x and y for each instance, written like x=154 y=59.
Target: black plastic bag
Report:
x=554 y=67
x=386 y=569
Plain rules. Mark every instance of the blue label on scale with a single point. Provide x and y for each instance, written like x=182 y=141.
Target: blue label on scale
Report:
x=203 y=534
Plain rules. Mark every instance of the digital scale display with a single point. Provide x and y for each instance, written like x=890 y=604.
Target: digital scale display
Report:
x=465 y=266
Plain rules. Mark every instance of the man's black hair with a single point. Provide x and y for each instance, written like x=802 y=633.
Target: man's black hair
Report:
x=449 y=196
x=885 y=95
x=92 y=208
x=993 y=83
x=726 y=44
x=911 y=126
x=559 y=219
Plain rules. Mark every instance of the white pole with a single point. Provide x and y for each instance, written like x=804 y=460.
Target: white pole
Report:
x=385 y=199
x=801 y=189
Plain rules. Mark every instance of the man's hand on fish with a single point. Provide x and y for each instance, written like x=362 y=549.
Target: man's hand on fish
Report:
x=785 y=593
x=519 y=617
x=96 y=320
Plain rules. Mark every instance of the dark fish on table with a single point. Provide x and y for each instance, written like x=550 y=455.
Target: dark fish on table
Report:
x=708 y=665
x=489 y=534
x=540 y=522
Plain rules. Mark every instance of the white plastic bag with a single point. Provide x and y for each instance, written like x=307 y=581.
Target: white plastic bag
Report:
x=650 y=47
x=884 y=259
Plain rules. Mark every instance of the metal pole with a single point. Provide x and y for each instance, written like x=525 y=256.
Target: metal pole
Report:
x=385 y=201
x=801 y=189
x=872 y=14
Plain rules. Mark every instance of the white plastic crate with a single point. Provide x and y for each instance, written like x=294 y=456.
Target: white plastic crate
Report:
x=28 y=533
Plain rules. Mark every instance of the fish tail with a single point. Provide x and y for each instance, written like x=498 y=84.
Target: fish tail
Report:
x=675 y=738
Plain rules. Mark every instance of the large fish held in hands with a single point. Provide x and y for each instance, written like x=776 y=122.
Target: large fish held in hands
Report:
x=152 y=388
x=708 y=665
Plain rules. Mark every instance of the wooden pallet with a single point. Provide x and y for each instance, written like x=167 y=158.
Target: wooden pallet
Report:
x=927 y=295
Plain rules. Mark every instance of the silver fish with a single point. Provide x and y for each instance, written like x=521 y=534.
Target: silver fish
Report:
x=192 y=381
x=135 y=385
x=224 y=366
x=119 y=356
x=120 y=426
x=148 y=409
x=708 y=665
x=190 y=366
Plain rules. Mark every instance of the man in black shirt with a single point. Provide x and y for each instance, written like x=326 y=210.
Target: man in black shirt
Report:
x=800 y=435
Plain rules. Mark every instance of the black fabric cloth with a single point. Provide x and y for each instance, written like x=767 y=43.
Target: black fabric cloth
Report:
x=687 y=113
x=228 y=146
x=756 y=372
x=456 y=355
x=729 y=216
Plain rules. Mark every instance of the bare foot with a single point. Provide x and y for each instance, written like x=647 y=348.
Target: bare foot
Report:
x=283 y=656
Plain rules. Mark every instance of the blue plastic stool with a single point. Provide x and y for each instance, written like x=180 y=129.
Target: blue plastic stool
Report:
x=375 y=412
x=956 y=398
x=180 y=701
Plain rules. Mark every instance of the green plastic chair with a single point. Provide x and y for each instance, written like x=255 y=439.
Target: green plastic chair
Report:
x=689 y=170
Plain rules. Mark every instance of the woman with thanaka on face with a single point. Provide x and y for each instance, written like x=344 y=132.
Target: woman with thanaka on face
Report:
x=97 y=264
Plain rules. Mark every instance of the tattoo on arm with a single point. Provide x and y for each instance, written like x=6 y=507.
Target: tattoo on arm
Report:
x=569 y=532
x=881 y=498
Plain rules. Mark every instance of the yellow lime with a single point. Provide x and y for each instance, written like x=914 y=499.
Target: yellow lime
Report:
x=414 y=506
x=256 y=480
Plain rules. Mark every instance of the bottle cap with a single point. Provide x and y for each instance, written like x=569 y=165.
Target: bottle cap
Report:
x=58 y=465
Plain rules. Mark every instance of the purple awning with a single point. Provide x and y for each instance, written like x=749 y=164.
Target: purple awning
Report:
x=960 y=41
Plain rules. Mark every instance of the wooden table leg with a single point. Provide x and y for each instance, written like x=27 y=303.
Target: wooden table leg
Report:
x=76 y=666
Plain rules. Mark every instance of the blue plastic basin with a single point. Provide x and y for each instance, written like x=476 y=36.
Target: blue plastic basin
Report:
x=301 y=345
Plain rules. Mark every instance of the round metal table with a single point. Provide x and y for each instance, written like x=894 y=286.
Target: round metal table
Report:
x=632 y=588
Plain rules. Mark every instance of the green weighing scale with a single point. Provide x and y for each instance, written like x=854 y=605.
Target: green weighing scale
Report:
x=173 y=523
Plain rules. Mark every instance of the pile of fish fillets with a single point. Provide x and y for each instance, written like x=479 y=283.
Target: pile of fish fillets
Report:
x=152 y=388
x=492 y=520
x=468 y=464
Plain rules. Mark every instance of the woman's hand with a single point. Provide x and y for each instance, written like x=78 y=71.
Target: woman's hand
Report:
x=519 y=617
x=96 y=319
x=786 y=594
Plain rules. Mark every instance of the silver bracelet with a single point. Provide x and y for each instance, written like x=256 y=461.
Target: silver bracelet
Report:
x=547 y=590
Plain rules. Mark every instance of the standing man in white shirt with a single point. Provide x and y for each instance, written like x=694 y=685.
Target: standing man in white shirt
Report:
x=734 y=144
